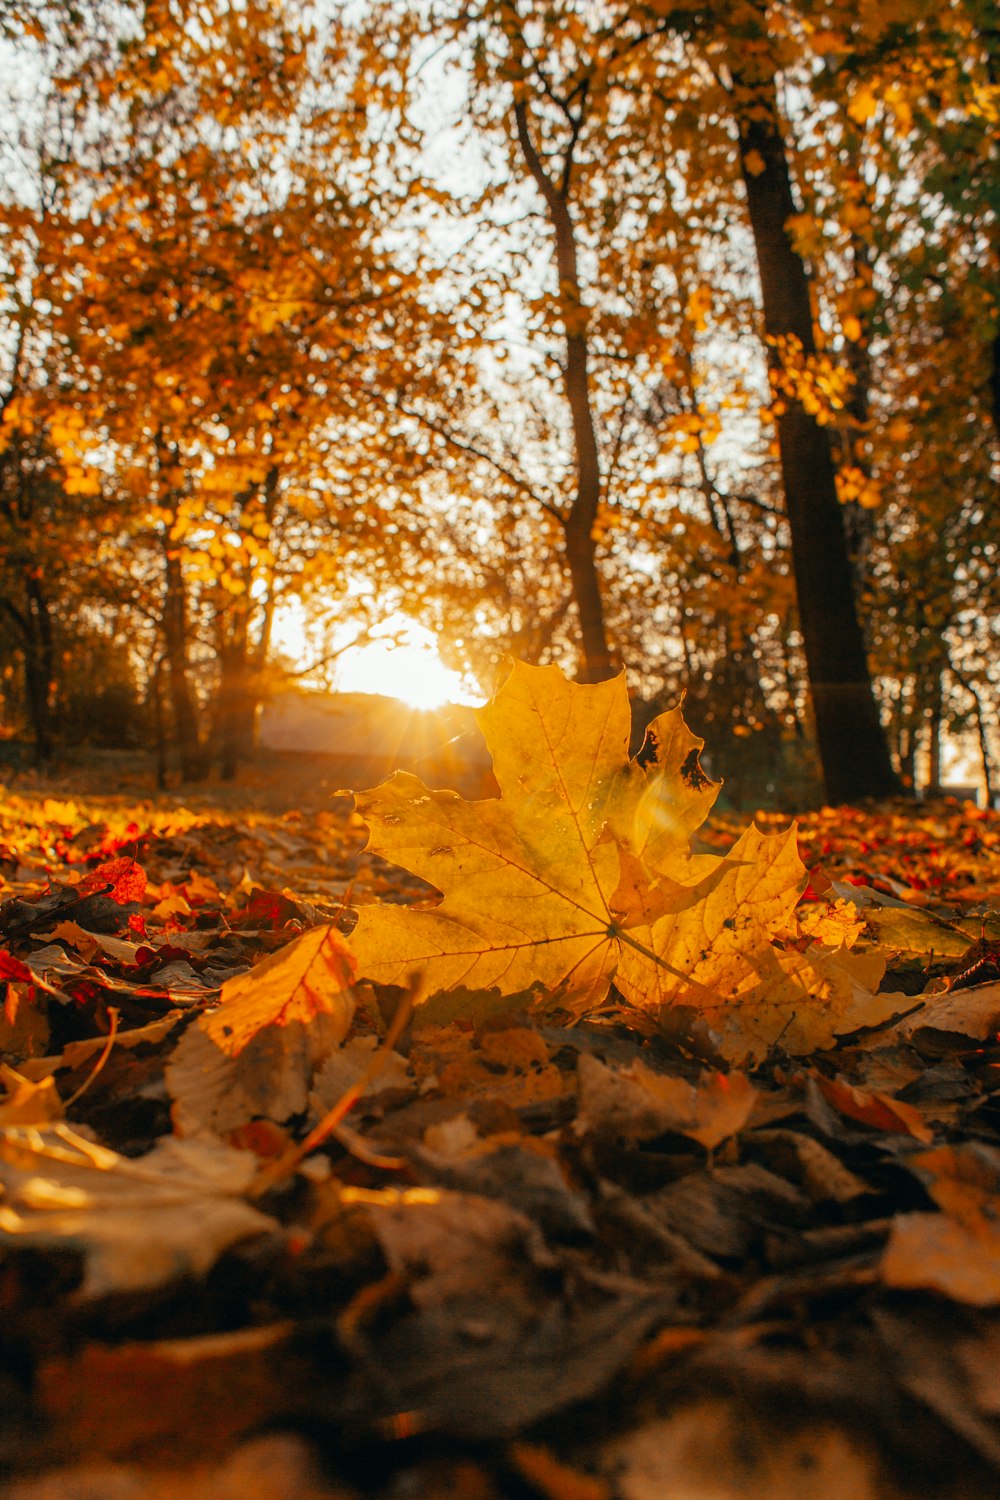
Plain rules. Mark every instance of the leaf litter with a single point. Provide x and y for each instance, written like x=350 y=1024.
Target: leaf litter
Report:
x=598 y=1226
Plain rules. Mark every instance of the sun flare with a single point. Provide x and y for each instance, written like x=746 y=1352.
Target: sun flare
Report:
x=411 y=673
x=401 y=661
x=407 y=667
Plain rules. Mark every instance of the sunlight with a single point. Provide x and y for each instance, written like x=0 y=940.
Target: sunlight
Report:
x=401 y=661
x=407 y=667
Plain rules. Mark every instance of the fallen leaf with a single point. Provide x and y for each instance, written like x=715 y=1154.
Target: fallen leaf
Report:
x=835 y=924
x=26 y=1102
x=714 y=1449
x=270 y=1077
x=809 y=1164
x=126 y=879
x=937 y=1253
x=12 y=968
x=914 y=933
x=346 y=1065
x=454 y=1246
x=581 y=871
x=880 y=1111
x=139 y=1223
x=309 y=976
x=972 y=1013
x=526 y=877
x=140 y=1396
x=271 y=1467
x=963 y=1180
x=24 y=1026
x=725 y=964
x=555 y=1480
x=74 y=1054
x=637 y=1104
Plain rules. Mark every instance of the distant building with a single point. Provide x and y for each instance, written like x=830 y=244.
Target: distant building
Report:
x=370 y=736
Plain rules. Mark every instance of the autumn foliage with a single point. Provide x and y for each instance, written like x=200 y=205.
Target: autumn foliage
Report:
x=632 y=336
x=630 y=1126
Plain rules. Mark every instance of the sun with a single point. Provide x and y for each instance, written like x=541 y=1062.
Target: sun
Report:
x=407 y=667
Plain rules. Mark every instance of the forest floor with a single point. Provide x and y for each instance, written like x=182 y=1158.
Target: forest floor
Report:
x=514 y=1270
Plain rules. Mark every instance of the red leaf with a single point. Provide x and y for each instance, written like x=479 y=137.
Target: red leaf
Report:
x=13 y=968
x=126 y=878
x=268 y=909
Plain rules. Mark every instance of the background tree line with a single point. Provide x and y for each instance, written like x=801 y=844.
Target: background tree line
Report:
x=604 y=333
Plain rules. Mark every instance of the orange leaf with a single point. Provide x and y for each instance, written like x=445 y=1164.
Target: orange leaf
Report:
x=581 y=871
x=934 y=1252
x=878 y=1110
x=312 y=974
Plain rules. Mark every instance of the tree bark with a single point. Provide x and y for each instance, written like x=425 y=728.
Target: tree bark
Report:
x=935 y=725
x=38 y=666
x=242 y=659
x=175 y=650
x=578 y=526
x=33 y=623
x=236 y=705
x=852 y=745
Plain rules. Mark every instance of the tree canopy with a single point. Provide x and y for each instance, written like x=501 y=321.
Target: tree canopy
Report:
x=604 y=335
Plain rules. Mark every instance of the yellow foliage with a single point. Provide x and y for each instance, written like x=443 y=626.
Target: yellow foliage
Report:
x=582 y=872
x=853 y=484
x=863 y=104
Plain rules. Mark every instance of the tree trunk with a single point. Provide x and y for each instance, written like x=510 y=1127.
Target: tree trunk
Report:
x=175 y=650
x=159 y=724
x=38 y=666
x=852 y=746
x=33 y=625
x=236 y=706
x=578 y=525
x=242 y=660
x=934 y=727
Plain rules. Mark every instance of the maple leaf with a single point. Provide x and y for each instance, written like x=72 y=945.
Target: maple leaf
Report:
x=527 y=878
x=311 y=975
x=581 y=872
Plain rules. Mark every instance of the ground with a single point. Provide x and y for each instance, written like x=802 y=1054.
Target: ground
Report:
x=531 y=1259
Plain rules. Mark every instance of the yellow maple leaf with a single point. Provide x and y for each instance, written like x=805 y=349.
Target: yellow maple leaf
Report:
x=526 y=878
x=581 y=872
x=310 y=975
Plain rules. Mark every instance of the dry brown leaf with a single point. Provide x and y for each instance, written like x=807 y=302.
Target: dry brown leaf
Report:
x=637 y=1104
x=138 y=1222
x=456 y=1246
x=270 y=1078
x=937 y=1253
x=972 y=1012
x=347 y=1065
